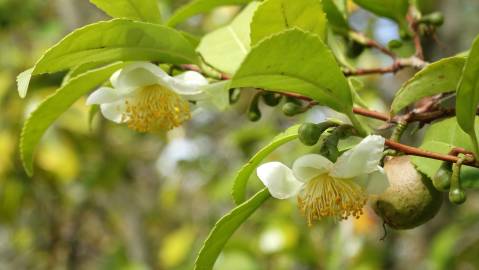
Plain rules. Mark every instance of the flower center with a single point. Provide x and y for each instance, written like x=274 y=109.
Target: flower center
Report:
x=155 y=107
x=325 y=196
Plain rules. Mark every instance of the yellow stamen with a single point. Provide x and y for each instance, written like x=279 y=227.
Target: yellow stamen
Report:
x=156 y=107
x=325 y=196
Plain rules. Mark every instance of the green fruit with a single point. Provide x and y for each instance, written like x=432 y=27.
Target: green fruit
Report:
x=254 y=113
x=309 y=133
x=354 y=49
x=410 y=200
x=435 y=18
x=457 y=196
x=442 y=178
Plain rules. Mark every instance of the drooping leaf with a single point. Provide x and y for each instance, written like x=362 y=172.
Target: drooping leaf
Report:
x=467 y=97
x=225 y=48
x=439 y=77
x=50 y=109
x=392 y=9
x=199 y=6
x=336 y=19
x=307 y=15
x=110 y=41
x=299 y=62
x=243 y=175
x=144 y=10
x=225 y=228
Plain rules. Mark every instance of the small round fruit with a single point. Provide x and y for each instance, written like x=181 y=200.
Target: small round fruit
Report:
x=457 y=196
x=442 y=178
x=410 y=200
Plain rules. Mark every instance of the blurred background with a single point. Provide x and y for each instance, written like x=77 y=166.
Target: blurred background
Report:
x=105 y=197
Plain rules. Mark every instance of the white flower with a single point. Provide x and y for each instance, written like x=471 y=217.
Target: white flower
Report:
x=327 y=189
x=147 y=98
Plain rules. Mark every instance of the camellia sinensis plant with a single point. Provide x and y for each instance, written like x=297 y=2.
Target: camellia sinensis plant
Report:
x=139 y=70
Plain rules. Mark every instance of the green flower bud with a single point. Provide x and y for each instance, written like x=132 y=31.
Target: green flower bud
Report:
x=254 y=113
x=435 y=18
x=354 y=49
x=292 y=108
x=309 y=133
x=272 y=99
x=395 y=44
x=234 y=95
x=457 y=196
x=442 y=178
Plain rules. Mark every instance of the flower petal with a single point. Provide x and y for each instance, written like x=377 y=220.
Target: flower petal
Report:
x=140 y=74
x=309 y=166
x=103 y=95
x=279 y=180
x=375 y=182
x=114 y=78
x=114 y=111
x=188 y=83
x=214 y=96
x=361 y=159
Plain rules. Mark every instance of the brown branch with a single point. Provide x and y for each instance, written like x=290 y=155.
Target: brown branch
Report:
x=396 y=66
x=409 y=150
x=370 y=43
x=414 y=27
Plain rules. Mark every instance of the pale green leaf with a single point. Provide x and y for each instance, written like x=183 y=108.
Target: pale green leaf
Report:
x=243 y=175
x=307 y=15
x=115 y=40
x=225 y=228
x=142 y=10
x=392 y=9
x=50 y=109
x=225 y=48
x=467 y=97
x=299 y=62
x=23 y=80
x=199 y=6
x=436 y=78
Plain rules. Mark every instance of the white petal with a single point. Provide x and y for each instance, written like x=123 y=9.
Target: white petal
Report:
x=363 y=158
x=114 y=111
x=309 y=166
x=279 y=180
x=114 y=78
x=103 y=95
x=140 y=74
x=375 y=182
x=188 y=83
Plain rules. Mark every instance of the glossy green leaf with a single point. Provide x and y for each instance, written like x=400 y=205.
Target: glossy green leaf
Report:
x=439 y=77
x=392 y=9
x=467 y=97
x=336 y=19
x=200 y=6
x=241 y=180
x=307 y=15
x=225 y=228
x=142 y=10
x=296 y=61
x=110 y=41
x=225 y=48
x=50 y=109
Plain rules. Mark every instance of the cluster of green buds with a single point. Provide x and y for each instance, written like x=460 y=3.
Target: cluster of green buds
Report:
x=448 y=179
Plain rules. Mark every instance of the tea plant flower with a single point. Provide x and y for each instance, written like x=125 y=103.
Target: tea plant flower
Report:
x=147 y=98
x=326 y=189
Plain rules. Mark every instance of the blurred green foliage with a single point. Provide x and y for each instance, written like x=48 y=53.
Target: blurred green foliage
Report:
x=108 y=198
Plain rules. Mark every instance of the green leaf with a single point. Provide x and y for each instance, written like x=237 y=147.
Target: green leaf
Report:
x=307 y=15
x=336 y=19
x=225 y=48
x=225 y=228
x=439 y=77
x=50 y=109
x=110 y=41
x=299 y=62
x=441 y=137
x=392 y=9
x=199 y=6
x=467 y=97
x=239 y=186
x=142 y=10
